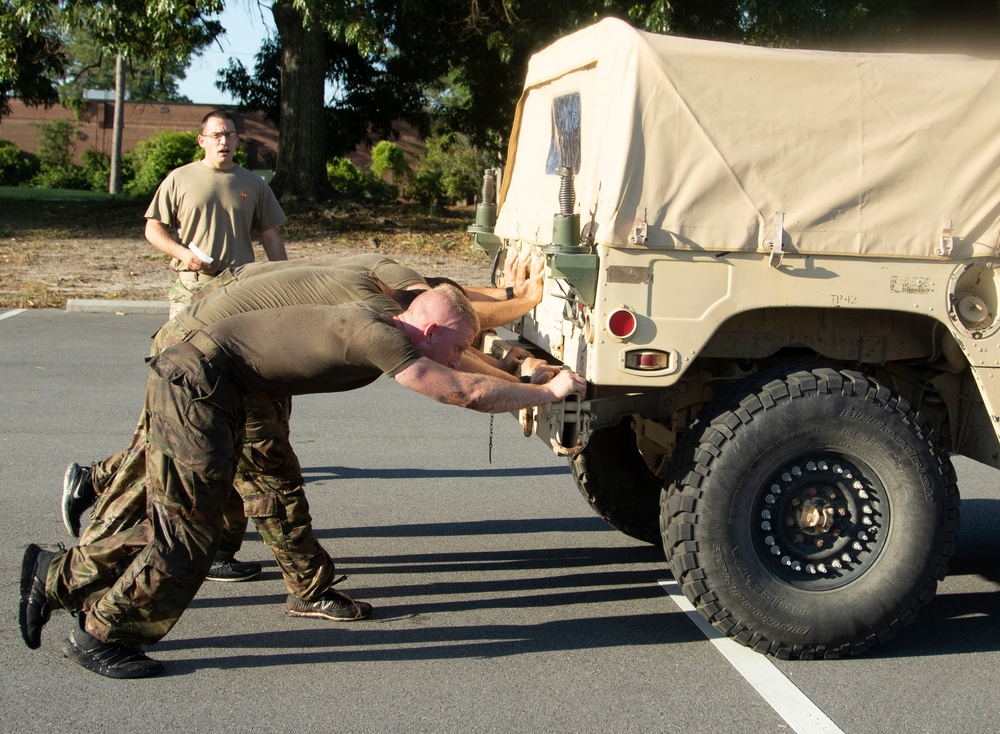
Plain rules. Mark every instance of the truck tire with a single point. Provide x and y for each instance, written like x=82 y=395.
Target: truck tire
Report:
x=815 y=516
x=616 y=482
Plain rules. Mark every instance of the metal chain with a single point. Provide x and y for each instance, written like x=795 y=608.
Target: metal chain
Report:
x=491 y=438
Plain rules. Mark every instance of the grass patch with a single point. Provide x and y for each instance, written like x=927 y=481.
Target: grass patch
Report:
x=54 y=214
x=56 y=245
x=26 y=193
x=43 y=214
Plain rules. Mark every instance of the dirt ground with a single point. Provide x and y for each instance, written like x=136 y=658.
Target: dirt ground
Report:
x=53 y=252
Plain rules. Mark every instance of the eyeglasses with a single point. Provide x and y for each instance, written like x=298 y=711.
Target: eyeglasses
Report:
x=219 y=136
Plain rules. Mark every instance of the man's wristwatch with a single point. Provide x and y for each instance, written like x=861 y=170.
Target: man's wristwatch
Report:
x=510 y=292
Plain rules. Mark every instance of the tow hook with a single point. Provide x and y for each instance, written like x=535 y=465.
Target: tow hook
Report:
x=561 y=422
x=526 y=417
x=565 y=426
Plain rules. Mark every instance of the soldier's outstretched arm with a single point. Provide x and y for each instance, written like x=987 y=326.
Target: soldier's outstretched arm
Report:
x=484 y=393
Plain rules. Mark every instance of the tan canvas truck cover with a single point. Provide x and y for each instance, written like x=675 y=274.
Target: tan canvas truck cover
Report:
x=853 y=154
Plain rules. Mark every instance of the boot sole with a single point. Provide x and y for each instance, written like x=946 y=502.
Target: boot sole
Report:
x=67 y=501
x=95 y=666
x=237 y=580
x=28 y=565
x=318 y=615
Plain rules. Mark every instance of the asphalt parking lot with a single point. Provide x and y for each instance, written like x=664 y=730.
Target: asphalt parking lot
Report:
x=502 y=603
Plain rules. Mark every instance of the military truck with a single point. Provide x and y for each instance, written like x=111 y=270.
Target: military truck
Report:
x=777 y=271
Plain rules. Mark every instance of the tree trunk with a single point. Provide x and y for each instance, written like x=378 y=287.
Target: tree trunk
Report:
x=115 y=179
x=300 y=170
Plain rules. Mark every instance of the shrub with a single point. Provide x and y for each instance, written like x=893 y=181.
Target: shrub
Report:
x=96 y=170
x=16 y=166
x=389 y=158
x=345 y=178
x=460 y=162
x=424 y=186
x=55 y=143
x=451 y=169
x=151 y=160
x=378 y=190
x=352 y=183
x=70 y=177
x=55 y=157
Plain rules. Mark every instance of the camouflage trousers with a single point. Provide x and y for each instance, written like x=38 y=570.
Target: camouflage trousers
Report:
x=182 y=291
x=135 y=584
x=269 y=488
x=119 y=480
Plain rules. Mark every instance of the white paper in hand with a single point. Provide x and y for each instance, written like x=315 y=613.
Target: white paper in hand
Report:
x=207 y=259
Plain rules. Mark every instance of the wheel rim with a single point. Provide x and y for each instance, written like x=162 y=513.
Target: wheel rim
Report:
x=820 y=521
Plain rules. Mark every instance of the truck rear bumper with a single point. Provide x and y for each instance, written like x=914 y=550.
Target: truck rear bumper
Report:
x=562 y=425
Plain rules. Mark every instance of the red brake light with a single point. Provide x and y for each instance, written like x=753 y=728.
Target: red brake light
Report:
x=621 y=323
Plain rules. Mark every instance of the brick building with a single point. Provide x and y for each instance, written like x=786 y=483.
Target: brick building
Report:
x=142 y=120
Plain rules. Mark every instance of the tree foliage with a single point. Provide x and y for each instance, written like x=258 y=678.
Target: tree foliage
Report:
x=155 y=32
x=16 y=166
x=159 y=35
x=458 y=62
x=487 y=49
x=93 y=67
x=463 y=63
x=32 y=58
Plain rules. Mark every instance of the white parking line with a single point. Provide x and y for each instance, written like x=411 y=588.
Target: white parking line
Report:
x=792 y=705
x=8 y=314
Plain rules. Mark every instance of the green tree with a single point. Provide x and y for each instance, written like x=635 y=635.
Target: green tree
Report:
x=155 y=33
x=92 y=67
x=32 y=59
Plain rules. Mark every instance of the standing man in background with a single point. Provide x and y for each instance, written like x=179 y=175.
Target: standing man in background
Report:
x=215 y=206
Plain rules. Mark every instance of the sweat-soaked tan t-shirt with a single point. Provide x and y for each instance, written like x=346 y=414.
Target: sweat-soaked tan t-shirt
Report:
x=298 y=350
x=387 y=270
x=325 y=286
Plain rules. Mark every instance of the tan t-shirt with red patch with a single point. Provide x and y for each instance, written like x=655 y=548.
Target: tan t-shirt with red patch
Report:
x=217 y=210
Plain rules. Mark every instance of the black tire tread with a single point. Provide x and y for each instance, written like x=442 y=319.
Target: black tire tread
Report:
x=681 y=500
x=613 y=478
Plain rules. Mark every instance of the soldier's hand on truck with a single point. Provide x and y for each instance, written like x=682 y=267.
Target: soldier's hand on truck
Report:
x=566 y=382
x=533 y=287
x=513 y=359
x=514 y=267
x=538 y=370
